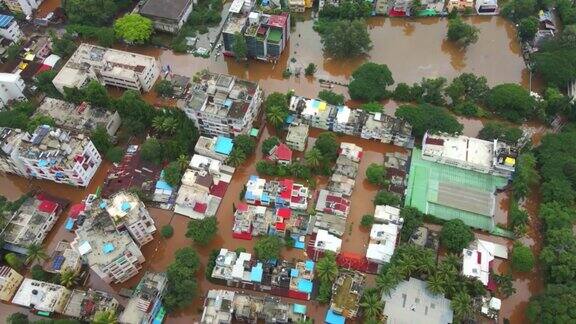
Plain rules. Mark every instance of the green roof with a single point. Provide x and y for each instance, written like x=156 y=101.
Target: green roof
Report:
x=448 y=192
x=275 y=35
x=426 y=13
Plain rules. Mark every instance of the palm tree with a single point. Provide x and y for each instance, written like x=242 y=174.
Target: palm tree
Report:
x=407 y=266
x=385 y=282
x=313 y=158
x=35 y=253
x=436 y=284
x=183 y=160
x=236 y=158
x=326 y=268
x=275 y=116
x=371 y=306
x=170 y=125
x=462 y=306
x=158 y=123
x=105 y=317
x=453 y=260
x=68 y=278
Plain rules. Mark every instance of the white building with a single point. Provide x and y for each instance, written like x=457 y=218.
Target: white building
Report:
x=42 y=296
x=487 y=7
x=327 y=242
x=382 y=244
x=222 y=105
x=11 y=88
x=470 y=153
x=108 y=66
x=83 y=118
x=128 y=211
x=477 y=260
x=387 y=214
x=23 y=6
x=9 y=28
x=218 y=148
x=52 y=154
x=112 y=254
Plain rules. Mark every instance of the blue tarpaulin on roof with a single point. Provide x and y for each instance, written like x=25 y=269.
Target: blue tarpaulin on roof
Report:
x=333 y=318
x=107 y=248
x=69 y=224
x=223 y=145
x=299 y=309
x=162 y=184
x=102 y=204
x=309 y=265
x=256 y=274
x=125 y=206
x=305 y=286
x=293 y=272
x=5 y=20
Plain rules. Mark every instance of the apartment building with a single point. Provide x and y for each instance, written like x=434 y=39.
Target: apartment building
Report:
x=218 y=148
x=383 y=238
x=145 y=305
x=10 y=280
x=347 y=291
x=25 y=7
x=266 y=35
x=82 y=118
x=110 y=67
x=83 y=305
x=50 y=153
x=297 y=136
x=223 y=105
x=112 y=254
x=31 y=223
x=490 y=157
x=129 y=213
x=167 y=16
x=282 y=193
x=11 y=88
x=42 y=296
x=9 y=28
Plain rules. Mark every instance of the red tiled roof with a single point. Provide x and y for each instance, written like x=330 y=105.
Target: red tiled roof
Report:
x=434 y=141
x=283 y=152
x=280 y=226
x=284 y=212
x=47 y=206
x=219 y=190
x=277 y=20
x=200 y=207
x=242 y=207
x=76 y=210
x=287 y=192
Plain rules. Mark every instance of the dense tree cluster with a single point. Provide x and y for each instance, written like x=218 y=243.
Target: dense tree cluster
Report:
x=345 y=38
x=511 y=101
x=202 y=231
x=347 y=9
x=376 y=174
x=369 y=82
x=276 y=105
x=93 y=12
x=294 y=170
x=556 y=59
x=182 y=285
x=268 y=247
x=456 y=235
x=327 y=272
x=501 y=131
x=425 y=117
x=462 y=33
x=331 y=97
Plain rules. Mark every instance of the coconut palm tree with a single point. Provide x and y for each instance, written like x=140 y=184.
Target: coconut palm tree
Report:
x=313 y=158
x=407 y=266
x=275 y=116
x=183 y=160
x=236 y=158
x=68 y=278
x=170 y=125
x=436 y=284
x=35 y=253
x=385 y=282
x=326 y=268
x=105 y=317
x=158 y=123
x=462 y=306
x=371 y=306
x=453 y=260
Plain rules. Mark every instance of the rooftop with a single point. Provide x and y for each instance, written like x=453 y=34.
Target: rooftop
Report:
x=5 y=20
x=145 y=298
x=346 y=293
x=297 y=133
x=382 y=244
x=477 y=260
x=83 y=118
x=327 y=242
x=84 y=304
x=411 y=302
x=332 y=203
x=387 y=214
x=126 y=207
x=311 y=108
x=172 y=9
x=39 y=295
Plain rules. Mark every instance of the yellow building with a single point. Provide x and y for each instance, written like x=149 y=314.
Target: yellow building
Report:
x=10 y=280
x=308 y=3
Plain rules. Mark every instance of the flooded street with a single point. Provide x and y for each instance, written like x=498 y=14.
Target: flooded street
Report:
x=412 y=49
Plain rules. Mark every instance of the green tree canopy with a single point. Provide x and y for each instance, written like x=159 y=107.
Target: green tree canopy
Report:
x=63 y=46
x=555 y=305
x=167 y=231
x=164 y=88
x=331 y=97
x=202 y=231
x=133 y=28
x=245 y=143
x=328 y=145
x=456 y=235
x=425 y=117
x=115 y=154
x=44 y=83
x=96 y=94
x=376 y=174
x=374 y=107
x=527 y=28
x=269 y=143
x=268 y=248
x=518 y=9
x=151 y=150
x=384 y=197
x=327 y=268
x=467 y=87
x=92 y=12
x=182 y=285
x=240 y=48
x=345 y=39
x=462 y=33
x=173 y=174
x=101 y=140
x=522 y=258
x=369 y=82
x=511 y=101
x=413 y=218
x=501 y=131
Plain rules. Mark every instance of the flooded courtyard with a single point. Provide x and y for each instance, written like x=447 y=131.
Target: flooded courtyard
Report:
x=412 y=49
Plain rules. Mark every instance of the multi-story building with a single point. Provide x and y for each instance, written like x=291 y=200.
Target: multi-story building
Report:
x=349 y=121
x=9 y=140
x=168 y=16
x=83 y=305
x=297 y=136
x=387 y=129
x=297 y=5
x=491 y=157
x=108 y=66
x=129 y=213
x=222 y=105
x=42 y=296
x=283 y=193
x=487 y=7
x=314 y=112
x=82 y=118
x=218 y=148
x=9 y=28
x=477 y=261
x=51 y=153
x=112 y=254
x=31 y=223
x=64 y=258
x=145 y=305
x=23 y=6
x=11 y=88
x=10 y=280
x=332 y=203
x=225 y=306
x=347 y=291
x=382 y=244
x=266 y=35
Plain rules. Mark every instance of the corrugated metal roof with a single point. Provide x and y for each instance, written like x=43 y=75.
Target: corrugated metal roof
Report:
x=5 y=21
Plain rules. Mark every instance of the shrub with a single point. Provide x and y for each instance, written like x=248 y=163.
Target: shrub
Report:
x=167 y=231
